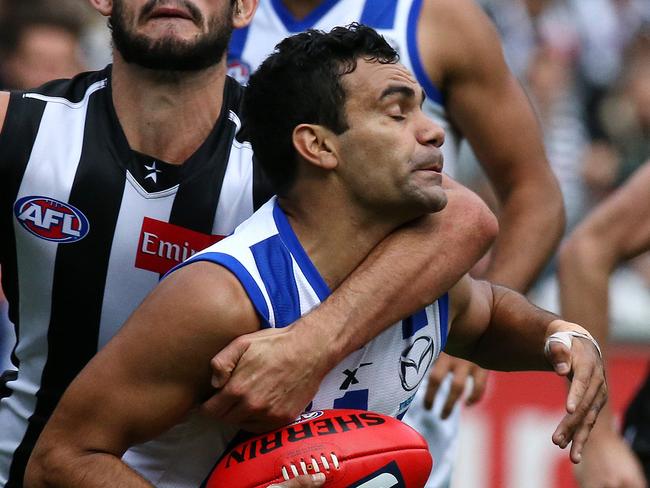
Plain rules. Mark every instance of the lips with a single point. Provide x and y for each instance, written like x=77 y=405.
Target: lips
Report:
x=170 y=12
x=436 y=168
x=430 y=165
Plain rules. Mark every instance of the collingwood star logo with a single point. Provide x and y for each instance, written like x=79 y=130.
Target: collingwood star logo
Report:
x=154 y=172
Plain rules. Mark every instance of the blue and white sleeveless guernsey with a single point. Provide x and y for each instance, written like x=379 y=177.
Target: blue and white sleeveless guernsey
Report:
x=283 y=284
x=396 y=20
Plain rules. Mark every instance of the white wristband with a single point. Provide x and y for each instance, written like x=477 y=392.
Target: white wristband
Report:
x=565 y=338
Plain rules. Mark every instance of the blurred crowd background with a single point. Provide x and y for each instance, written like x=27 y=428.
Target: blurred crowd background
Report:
x=584 y=63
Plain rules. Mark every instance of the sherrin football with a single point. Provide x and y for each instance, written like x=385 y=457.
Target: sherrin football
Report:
x=354 y=448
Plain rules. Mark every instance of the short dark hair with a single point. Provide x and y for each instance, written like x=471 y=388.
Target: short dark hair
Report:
x=300 y=83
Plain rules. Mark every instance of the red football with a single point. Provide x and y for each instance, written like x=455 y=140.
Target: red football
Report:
x=354 y=448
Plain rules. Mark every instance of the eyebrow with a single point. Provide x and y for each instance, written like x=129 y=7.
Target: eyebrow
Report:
x=405 y=91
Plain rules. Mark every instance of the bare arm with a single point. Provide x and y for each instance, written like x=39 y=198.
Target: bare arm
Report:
x=617 y=230
x=410 y=269
x=462 y=53
x=499 y=329
x=158 y=363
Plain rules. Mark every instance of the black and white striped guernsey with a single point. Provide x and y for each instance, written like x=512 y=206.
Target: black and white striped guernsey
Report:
x=88 y=226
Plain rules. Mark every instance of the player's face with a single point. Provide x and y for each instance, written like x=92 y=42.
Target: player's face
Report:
x=172 y=34
x=390 y=155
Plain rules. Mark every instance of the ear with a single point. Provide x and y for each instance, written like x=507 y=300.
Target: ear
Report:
x=243 y=12
x=315 y=144
x=104 y=7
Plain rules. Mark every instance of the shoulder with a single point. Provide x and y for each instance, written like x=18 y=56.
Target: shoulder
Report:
x=205 y=284
x=205 y=288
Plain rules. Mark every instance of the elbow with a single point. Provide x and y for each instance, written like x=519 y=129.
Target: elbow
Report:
x=487 y=226
x=544 y=198
x=47 y=467
x=582 y=253
x=36 y=472
x=470 y=215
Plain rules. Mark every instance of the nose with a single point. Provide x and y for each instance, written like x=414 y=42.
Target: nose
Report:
x=430 y=132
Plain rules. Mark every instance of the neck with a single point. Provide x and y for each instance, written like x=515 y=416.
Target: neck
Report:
x=336 y=236
x=301 y=8
x=166 y=115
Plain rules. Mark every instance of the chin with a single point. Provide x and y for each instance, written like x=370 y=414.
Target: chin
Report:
x=170 y=33
x=437 y=200
x=438 y=206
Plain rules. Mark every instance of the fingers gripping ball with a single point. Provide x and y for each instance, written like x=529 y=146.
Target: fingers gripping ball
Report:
x=354 y=448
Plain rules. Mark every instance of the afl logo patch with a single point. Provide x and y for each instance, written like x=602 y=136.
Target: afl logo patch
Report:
x=50 y=219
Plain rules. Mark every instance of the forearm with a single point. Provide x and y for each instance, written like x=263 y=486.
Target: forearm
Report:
x=407 y=271
x=530 y=227
x=58 y=468
x=515 y=336
x=584 y=285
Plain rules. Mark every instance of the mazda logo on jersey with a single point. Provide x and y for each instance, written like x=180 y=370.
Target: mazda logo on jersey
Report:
x=51 y=219
x=415 y=362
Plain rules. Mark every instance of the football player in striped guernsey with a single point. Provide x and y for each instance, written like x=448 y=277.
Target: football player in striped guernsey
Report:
x=111 y=178
x=338 y=126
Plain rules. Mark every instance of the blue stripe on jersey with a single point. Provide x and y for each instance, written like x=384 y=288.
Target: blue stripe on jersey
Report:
x=242 y=274
x=275 y=265
x=412 y=44
x=379 y=14
x=293 y=244
x=237 y=43
x=415 y=322
x=292 y=24
x=443 y=308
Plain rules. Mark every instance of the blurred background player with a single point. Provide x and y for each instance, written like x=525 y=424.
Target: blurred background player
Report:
x=39 y=42
x=456 y=55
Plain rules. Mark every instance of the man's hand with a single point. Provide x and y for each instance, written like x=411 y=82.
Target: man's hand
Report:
x=263 y=379
x=608 y=462
x=305 y=481
x=582 y=364
x=461 y=371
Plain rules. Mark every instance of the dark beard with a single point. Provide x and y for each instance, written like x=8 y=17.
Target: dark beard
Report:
x=171 y=54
